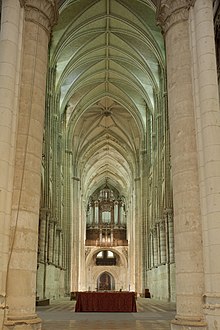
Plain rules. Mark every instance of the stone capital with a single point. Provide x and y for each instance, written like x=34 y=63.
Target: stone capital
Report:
x=41 y=12
x=170 y=12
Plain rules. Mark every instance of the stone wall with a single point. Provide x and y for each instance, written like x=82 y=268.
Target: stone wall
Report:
x=161 y=282
x=54 y=282
x=119 y=272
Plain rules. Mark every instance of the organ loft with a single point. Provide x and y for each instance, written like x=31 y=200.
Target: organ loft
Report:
x=106 y=219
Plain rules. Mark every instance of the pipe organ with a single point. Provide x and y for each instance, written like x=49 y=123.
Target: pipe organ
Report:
x=106 y=219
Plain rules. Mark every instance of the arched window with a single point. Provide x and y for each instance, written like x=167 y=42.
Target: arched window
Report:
x=106 y=258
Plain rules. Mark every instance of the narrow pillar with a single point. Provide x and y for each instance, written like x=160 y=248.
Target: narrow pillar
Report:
x=150 y=252
x=56 y=245
x=162 y=243
x=155 y=246
x=100 y=236
x=51 y=241
x=21 y=280
x=42 y=233
x=43 y=255
x=93 y=214
x=170 y=234
x=112 y=236
x=61 y=251
x=174 y=19
x=96 y=212
x=144 y=193
x=90 y=213
x=67 y=224
x=138 y=250
x=121 y=215
x=116 y=212
x=208 y=131
x=76 y=243
x=10 y=58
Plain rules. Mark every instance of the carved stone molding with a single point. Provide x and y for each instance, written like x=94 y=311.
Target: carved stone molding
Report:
x=87 y=252
x=43 y=12
x=170 y=12
x=30 y=322
x=211 y=302
x=211 y=306
x=125 y=252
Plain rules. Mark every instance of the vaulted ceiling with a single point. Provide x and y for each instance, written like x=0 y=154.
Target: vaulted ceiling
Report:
x=109 y=57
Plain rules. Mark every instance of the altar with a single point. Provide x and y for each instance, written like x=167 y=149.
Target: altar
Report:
x=106 y=302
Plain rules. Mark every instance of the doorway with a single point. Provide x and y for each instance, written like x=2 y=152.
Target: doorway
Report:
x=106 y=282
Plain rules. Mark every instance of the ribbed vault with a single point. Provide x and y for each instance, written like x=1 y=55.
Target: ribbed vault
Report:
x=109 y=60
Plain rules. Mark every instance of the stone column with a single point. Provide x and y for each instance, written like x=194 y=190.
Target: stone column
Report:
x=112 y=237
x=144 y=195
x=50 y=256
x=116 y=212
x=21 y=281
x=96 y=212
x=170 y=234
x=162 y=243
x=208 y=131
x=67 y=217
x=42 y=234
x=43 y=250
x=100 y=236
x=173 y=17
x=152 y=248
x=93 y=214
x=75 y=246
x=10 y=60
x=90 y=213
x=61 y=256
x=155 y=246
x=112 y=214
x=121 y=213
x=58 y=246
x=138 y=238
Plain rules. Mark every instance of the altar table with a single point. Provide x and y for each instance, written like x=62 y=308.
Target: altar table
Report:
x=106 y=302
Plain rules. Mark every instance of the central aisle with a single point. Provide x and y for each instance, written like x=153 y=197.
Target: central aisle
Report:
x=152 y=315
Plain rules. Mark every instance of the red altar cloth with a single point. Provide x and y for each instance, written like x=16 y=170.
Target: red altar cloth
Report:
x=106 y=302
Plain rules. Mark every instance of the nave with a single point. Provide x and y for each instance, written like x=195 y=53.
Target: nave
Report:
x=152 y=315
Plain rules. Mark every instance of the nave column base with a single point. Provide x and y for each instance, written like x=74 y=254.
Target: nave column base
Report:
x=188 y=324
x=26 y=323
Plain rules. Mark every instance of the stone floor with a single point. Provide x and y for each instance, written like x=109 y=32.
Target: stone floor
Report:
x=151 y=315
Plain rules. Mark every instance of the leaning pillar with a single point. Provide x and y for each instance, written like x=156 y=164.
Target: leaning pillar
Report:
x=174 y=19
x=39 y=16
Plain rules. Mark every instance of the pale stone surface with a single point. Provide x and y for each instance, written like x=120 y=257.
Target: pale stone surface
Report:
x=195 y=150
x=54 y=282
x=11 y=23
x=160 y=286
x=187 y=223
x=209 y=134
x=120 y=272
x=21 y=284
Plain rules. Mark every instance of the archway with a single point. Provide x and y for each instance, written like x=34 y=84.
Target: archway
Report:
x=105 y=282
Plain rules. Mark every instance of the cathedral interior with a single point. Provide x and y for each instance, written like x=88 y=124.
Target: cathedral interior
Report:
x=106 y=159
x=109 y=154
